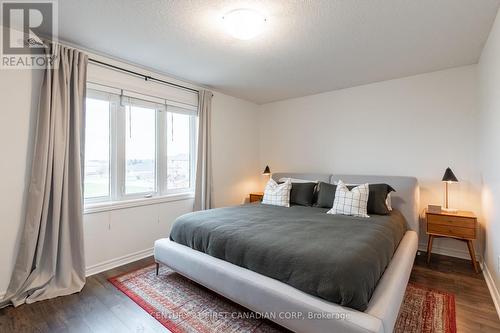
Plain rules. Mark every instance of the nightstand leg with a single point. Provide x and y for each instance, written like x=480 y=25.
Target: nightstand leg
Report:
x=429 y=248
x=472 y=253
x=157 y=268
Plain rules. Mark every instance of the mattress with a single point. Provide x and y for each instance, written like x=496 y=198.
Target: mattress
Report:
x=334 y=257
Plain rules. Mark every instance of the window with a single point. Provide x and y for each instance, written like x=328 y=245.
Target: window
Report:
x=137 y=147
x=140 y=150
x=178 y=151
x=97 y=158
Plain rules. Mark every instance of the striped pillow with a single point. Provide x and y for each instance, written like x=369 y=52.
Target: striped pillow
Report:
x=277 y=194
x=353 y=202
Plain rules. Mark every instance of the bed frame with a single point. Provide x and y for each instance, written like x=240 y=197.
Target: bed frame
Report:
x=293 y=307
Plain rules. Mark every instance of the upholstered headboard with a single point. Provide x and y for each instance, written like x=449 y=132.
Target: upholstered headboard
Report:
x=406 y=199
x=320 y=177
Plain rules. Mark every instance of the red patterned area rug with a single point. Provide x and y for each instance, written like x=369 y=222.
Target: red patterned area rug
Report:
x=426 y=310
x=183 y=306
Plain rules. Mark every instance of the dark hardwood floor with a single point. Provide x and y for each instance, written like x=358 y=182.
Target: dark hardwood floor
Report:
x=474 y=306
x=100 y=307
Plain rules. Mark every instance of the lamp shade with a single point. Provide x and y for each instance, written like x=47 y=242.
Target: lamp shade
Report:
x=449 y=176
x=267 y=171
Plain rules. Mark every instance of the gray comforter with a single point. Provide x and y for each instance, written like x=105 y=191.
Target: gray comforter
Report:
x=338 y=258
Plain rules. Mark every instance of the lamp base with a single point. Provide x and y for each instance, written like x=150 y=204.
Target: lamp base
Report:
x=450 y=210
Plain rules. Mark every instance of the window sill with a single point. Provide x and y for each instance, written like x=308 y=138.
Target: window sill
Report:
x=115 y=205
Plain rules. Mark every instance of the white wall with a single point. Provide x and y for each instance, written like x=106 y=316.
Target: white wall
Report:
x=117 y=236
x=17 y=88
x=489 y=130
x=124 y=235
x=235 y=137
x=415 y=126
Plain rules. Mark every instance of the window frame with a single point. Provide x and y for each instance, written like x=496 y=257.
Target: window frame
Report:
x=117 y=148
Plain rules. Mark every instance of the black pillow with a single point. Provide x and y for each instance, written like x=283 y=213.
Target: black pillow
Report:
x=376 y=198
x=325 y=194
x=302 y=194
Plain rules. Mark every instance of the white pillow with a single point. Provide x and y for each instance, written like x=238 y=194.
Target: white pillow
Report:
x=353 y=202
x=277 y=194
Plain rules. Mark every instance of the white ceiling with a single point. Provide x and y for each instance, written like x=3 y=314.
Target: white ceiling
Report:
x=308 y=46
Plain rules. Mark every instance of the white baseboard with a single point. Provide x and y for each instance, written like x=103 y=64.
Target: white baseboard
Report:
x=492 y=287
x=112 y=263
x=446 y=251
x=2 y=294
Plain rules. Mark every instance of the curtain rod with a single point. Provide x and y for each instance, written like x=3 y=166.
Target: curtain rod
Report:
x=146 y=77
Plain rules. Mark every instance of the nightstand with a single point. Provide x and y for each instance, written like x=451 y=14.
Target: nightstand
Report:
x=256 y=196
x=461 y=225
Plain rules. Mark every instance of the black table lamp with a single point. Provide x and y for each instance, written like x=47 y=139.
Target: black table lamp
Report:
x=267 y=171
x=449 y=177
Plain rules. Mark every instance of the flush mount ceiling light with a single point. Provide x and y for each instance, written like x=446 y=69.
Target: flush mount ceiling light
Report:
x=244 y=23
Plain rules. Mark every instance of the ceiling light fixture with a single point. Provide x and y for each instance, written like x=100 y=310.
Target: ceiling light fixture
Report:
x=244 y=23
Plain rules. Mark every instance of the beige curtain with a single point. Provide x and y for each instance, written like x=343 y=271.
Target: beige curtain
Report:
x=50 y=261
x=203 y=192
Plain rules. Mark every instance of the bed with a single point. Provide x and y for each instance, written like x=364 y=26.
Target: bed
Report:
x=303 y=302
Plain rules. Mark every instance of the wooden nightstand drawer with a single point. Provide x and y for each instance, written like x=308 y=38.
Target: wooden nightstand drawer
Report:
x=451 y=230
x=254 y=197
x=455 y=221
